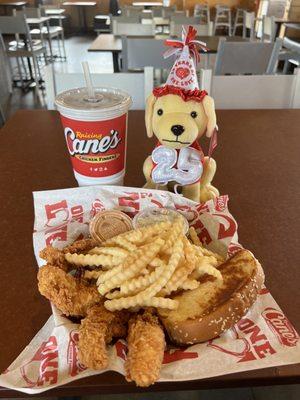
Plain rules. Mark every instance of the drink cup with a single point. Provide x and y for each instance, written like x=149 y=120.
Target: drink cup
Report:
x=96 y=133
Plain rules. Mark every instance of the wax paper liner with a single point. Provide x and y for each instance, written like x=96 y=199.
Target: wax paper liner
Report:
x=263 y=338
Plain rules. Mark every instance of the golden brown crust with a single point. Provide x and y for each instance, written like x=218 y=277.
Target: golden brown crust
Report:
x=70 y=295
x=146 y=344
x=80 y=246
x=227 y=307
x=54 y=257
x=96 y=330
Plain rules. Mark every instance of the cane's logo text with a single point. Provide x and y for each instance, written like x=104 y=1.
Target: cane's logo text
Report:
x=84 y=143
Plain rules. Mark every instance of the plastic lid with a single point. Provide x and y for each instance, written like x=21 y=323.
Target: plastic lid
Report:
x=108 y=102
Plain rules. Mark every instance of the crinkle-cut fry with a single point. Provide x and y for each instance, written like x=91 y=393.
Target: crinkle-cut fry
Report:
x=132 y=265
x=141 y=282
x=173 y=233
x=189 y=284
x=161 y=302
x=139 y=235
x=92 y=274
x=112 y=251
x=141 y=297
x=92 y=259
x=208 y=269
x=194 y=237
x=181 y=273
x=156 y=262
x=146 y=343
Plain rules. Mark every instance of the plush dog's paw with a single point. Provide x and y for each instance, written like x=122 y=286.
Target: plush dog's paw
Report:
x=208 y=192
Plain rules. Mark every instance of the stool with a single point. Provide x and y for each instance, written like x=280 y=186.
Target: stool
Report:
x=202 y=11
x=238 y=20
x=222 y=18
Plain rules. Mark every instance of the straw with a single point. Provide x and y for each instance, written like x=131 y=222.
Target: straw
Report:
x=88 y=80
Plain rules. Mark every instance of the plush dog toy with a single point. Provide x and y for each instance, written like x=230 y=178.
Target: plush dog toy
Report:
x=178 y=114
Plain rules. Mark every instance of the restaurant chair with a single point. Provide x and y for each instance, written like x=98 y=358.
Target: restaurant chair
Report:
x=268 y=29
x=239 y=58
x=130 y=11
x=248 y=25
x=238 y=20
x=46 y=33
x=202 y=11
x=202 y=30
x=5 y=82
x=138 y=85
x=17 y=26
x=290 y=54
x=222 y=18
x=60 y=19
x=132 y=29
x=183 y=20
x=157 y=12
x=127 y=20
x=138 y=53
x=102 y=24
x=167 y=12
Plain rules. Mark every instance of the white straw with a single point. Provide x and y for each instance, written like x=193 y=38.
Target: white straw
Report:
x=88 y=80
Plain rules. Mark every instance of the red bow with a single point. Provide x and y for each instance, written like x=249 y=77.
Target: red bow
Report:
x=188 y=39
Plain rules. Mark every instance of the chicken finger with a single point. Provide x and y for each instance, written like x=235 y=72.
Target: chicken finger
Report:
x=146 y=343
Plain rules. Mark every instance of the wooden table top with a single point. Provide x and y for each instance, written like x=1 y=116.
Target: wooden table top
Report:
x=109 y=42
x=80 y=3
x=258 y=166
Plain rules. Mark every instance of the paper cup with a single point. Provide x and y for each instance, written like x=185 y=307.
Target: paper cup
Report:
x=96 y=133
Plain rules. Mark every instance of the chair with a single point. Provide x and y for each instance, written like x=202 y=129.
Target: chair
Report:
x=138 y=85
x=138 y=53
x=238 y=20
x=5 y=82
x=167 y=12
x=203 y=12
x=127 y=20
x=248 y=25
x=222 y=18
x=183 y=20
x=102 y=23
x=16 y=25
x=202 y=30
x=290 y=54
x=130 y=11
x=132 y=29
x=48 y=32
x=237 y=58
x=268 y=29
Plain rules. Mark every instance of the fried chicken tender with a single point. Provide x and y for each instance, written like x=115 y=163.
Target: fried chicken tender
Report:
x=97 y=330
x=81 y=246
x=55 y=257
x=146 y=344
x=70 y=295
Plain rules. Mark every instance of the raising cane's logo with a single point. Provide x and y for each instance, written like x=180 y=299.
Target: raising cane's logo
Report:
x=90 y=144
x=97 y=148
x=42 y=369
x=281 y=327
x=75 y=367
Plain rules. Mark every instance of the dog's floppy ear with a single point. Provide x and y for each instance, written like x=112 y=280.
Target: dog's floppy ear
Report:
x=148 y=114
x=209 y=109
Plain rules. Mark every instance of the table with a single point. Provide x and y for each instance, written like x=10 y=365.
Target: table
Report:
x=54 y=11
x=12 y=4
x=40 y=22
x=147 y=4
x=294 y=25
x=79 y=5
x=113 y=44
x=264 y=199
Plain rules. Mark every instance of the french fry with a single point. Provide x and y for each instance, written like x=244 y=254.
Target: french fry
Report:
x=92 y=259
x=112 y=251
x=132 y=265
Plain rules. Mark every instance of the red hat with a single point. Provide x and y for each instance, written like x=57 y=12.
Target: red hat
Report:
x=182 y=80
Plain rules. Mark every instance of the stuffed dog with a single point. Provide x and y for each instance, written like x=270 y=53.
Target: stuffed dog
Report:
x=178 y=121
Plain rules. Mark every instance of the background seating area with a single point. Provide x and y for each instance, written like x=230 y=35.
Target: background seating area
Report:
x=51 y=38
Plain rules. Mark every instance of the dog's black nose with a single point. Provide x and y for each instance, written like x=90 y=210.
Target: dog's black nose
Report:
x=177 y=130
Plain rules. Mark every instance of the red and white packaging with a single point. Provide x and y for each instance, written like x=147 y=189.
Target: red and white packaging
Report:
x=262 y=338
x=96 y=133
